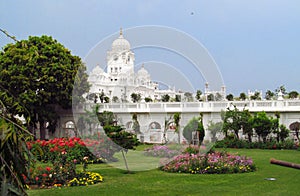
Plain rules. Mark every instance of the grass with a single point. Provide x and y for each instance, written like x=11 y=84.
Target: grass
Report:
x=155 y=182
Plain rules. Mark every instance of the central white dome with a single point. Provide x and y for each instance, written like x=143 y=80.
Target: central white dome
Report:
x=120 y=44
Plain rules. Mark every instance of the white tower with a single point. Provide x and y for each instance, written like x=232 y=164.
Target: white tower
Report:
x=120 y=59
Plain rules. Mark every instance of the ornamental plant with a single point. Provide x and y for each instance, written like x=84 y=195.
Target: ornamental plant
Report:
x=64 y=154
x=85 y=179
x=74 y=148
x=211 y=163
x=62 y=173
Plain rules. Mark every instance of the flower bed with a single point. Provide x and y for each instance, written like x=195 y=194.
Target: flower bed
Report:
x=51 y=150
x=64 y=154
x=211 y=163
x=48 y=178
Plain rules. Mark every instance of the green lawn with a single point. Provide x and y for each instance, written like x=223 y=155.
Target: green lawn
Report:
x=155 y=182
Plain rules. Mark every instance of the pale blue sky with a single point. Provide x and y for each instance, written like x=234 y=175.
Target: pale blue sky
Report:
x=255 y=43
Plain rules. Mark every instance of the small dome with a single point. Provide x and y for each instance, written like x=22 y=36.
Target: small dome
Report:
x=97 y=70
x=120 y=44
x=143 y=72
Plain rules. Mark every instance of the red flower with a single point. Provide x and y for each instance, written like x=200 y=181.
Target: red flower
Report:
x=24 y=177
x=71 y=144
x=36 y=178
x=48 y=168
x=44 y=175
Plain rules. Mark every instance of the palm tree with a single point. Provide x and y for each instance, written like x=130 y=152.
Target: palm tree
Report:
x=176 y=118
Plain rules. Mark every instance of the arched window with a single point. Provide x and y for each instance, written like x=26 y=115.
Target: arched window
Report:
x=154 y=125
x=70 y=129
x=70 y=125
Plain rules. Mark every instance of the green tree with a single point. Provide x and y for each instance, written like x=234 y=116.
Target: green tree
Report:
x=177 y=98
x=92 y=97
x=256 y=96
x=106 y=99
x=293 y=94
x=269 y=95
x=176 y=118
x=136 y=124
x=102 y=97
x=123 y=139
x=246 y=123
x=284 y=132
x=243 y=96
x=135 y=97
x=214 y=128
x=210 y=97
x=232 y=121
x=165 y=98
x=191 y=126
x=106 y=118
x=262 y=125
x=188 y=96
x=115 y=99
x=41 y=73
x=282 y=89
x=148 y=99
x=168 y=122
x=195 y=124
x=198 y=95
x=229 y=97
x=201 y=130
x=275 y=125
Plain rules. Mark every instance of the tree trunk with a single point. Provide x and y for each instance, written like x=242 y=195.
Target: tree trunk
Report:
x=249 y=137
x=125 y=160
x=42 y=129
x=178 y=131
x=237 y=134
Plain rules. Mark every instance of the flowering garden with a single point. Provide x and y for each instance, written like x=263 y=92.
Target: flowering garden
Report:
x=64 y=154
x=194 y=162
x=211 y=163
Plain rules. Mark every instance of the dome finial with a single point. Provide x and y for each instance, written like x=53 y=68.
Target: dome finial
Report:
x=121 y=33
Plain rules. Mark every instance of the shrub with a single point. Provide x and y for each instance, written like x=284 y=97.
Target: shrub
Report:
x=272 y=144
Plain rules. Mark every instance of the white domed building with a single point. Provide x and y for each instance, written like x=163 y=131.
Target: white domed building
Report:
x=120 y=80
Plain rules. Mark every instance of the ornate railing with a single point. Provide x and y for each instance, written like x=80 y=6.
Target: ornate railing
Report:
x=252 y=106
